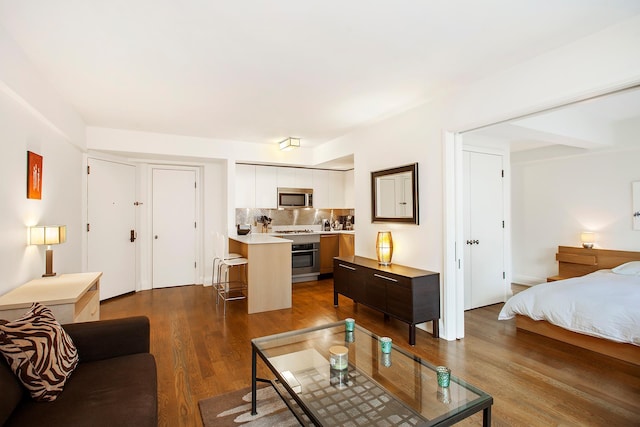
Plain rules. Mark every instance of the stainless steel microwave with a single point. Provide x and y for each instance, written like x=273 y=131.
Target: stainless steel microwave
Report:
x=289 y=198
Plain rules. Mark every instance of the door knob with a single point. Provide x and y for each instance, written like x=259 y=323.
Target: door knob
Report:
x=155 y=237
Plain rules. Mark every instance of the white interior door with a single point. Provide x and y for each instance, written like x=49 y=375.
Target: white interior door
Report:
x=111 y=218
x=174 y=227
x=484 y=229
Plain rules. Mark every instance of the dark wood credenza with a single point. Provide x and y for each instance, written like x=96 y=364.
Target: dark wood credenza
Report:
x=408 y=294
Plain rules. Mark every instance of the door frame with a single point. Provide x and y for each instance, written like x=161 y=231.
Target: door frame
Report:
x=148 y=242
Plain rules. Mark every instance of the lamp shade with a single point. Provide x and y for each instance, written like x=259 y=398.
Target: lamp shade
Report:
x=384 y=247
x=47 y=234
x=289 y=144
x=588 y=238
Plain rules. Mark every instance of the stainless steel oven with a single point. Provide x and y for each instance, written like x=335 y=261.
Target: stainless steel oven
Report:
x=305 y=256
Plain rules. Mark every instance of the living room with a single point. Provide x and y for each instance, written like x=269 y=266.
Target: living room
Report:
x=36 y=117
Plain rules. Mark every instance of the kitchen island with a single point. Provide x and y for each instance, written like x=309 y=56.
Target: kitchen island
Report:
x=268 y=272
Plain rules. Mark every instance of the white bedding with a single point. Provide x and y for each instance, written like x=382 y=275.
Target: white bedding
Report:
x=602 y=304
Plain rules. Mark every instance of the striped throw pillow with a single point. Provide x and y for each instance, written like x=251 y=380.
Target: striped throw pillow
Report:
x=39 y=352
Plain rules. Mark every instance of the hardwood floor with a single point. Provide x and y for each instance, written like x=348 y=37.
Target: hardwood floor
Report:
x=533 y=380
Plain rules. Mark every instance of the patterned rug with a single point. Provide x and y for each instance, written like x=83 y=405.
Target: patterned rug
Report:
x=234 y=409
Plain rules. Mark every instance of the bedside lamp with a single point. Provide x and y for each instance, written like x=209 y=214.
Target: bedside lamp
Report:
x=48 y=235
x=384 y=247
x=587 y=238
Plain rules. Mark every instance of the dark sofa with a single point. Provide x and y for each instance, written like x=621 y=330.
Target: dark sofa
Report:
x=114 y=384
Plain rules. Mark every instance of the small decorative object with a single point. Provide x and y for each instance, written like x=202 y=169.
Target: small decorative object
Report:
x=385 y=345
x=289 y=144
x=34 y=176
x=386 y=360
x=338 y=366
x=588 y=238
x=444 y=376
x=349 y=324
x=48 y=235
x=384 y=247
x=349 y=336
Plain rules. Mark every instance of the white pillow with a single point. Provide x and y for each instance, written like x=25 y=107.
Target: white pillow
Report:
x=629 y=269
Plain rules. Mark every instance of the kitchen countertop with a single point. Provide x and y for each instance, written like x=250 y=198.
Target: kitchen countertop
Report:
x=259 y=239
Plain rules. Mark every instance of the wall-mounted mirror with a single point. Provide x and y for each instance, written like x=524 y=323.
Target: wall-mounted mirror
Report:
x=394 y=195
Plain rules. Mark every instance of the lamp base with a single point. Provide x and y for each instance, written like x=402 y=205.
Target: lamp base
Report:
x=49 y=264
x=587 y=245
x=384 y=263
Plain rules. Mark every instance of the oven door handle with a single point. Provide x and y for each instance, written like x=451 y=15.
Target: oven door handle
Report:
x=304 y=251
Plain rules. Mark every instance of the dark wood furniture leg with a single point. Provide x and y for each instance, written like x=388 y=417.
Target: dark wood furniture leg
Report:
x=486 y=417
x=435 y=327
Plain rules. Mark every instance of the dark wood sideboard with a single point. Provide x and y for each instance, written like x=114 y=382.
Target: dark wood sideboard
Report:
x=408 y=294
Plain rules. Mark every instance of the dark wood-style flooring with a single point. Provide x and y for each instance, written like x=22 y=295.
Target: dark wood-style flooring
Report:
x=535 y=381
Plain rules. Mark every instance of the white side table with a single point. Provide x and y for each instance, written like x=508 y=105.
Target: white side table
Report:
x=71 y=297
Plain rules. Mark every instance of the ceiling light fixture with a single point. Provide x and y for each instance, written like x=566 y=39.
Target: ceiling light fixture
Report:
x=289 y=144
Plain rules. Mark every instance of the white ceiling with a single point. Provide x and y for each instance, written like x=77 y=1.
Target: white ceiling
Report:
x=260 y=71
x=602 y=122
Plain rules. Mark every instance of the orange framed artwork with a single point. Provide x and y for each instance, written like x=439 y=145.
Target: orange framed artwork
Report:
x=34 y=175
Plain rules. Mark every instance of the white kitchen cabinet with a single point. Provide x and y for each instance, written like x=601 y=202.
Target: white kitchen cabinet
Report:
x=349 y=194
x=320 y=188
x=303 y=178
x=266 y=184
x=286 y=177
x=245 y=186
x=336 y=189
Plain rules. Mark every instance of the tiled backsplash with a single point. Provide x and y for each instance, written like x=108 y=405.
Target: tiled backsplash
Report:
x=299 y=217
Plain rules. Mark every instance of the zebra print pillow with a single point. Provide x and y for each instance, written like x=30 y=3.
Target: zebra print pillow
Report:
x=39 y=352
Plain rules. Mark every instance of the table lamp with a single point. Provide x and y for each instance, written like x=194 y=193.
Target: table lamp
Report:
x=588 y=238
x=48 y=235
x=384 y=247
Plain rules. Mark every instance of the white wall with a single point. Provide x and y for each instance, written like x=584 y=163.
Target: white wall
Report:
x=61 y=201
x=555 y=200
x=33 y=118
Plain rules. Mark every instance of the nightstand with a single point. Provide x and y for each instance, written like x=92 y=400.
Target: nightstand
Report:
x=554 y=278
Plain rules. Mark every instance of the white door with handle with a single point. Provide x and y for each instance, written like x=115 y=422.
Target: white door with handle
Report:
x=483 y=230
x=111 y=224
x=174 y=226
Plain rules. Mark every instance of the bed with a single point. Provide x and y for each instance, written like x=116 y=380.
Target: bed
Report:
x=592 y=303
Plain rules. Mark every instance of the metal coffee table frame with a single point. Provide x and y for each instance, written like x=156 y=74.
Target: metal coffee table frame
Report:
x=374 y=389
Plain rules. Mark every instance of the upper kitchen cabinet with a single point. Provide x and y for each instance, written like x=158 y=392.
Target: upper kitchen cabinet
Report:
x=246 y=186
x=330 y=189
x=321 y=189
x=336 y=189
x=256 y=186
x=349 y=194
x=304 y=178
x=265 y=187
x=286 y=177
x=295 y=177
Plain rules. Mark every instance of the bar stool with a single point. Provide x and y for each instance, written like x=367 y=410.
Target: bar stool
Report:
x=223 y=263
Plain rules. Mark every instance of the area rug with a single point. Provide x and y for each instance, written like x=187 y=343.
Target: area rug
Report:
x=234 y=409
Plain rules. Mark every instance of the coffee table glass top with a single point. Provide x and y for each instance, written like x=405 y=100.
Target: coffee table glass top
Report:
x=376 y=389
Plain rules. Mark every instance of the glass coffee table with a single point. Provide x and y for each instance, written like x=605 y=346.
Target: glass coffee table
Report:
x=374 y=388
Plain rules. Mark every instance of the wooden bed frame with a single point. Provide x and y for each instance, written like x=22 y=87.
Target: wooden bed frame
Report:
x=574 y=262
